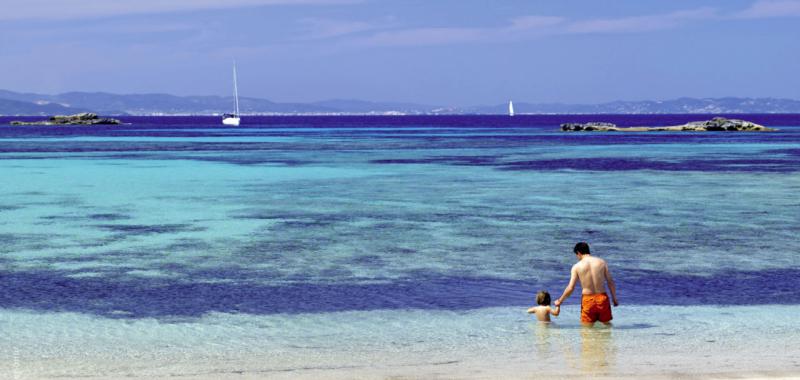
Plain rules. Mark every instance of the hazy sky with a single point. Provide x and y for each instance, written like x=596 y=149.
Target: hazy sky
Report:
x=444 y=52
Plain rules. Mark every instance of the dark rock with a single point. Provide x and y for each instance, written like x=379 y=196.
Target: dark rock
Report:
x=85 y=118
x=723 y=124
x=715 y=124
x=593 y=126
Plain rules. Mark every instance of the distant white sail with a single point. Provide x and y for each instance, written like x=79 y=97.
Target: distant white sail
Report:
x=510 y=108
x=233 y=119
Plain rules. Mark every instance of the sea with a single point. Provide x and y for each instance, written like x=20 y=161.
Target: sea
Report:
x=394 y=246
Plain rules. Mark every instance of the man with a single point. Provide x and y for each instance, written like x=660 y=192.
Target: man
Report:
x=593 y=274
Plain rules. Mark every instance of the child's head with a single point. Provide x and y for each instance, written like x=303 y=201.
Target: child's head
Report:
x=543 y=298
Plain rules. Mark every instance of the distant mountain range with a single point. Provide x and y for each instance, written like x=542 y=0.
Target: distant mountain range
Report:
x=19 y=104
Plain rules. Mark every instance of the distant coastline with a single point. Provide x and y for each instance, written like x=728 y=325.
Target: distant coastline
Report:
x=31 y=104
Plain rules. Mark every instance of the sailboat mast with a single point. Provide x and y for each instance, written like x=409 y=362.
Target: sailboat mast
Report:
x=235 y=92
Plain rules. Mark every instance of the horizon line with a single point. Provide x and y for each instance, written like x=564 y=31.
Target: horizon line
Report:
x=505 y=102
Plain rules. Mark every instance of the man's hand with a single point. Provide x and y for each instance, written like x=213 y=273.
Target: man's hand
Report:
x=558 y=303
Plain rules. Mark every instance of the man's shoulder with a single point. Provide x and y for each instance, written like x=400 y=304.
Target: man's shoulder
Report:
x=598 y=260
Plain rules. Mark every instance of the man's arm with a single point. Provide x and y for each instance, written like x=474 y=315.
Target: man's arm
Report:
x=611 y=286
x=568 y=291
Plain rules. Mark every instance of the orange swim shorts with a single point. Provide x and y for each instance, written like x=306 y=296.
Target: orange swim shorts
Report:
x=595 y=307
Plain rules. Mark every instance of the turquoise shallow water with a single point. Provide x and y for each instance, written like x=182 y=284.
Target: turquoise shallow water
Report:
x=413 y=242
x=486 y=343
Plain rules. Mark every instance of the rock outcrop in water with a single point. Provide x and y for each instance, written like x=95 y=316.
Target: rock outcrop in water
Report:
x=589 y=127
x=85 y=118
x=715 y=124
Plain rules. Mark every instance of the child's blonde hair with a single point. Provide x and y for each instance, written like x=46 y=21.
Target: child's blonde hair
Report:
x=543 y=298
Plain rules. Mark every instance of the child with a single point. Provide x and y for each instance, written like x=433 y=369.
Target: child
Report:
x=544 y=310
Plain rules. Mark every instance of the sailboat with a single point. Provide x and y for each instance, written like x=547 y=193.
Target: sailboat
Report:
x=228 y=118
x=510 y=108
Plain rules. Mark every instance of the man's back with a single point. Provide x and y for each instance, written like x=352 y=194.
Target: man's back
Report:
x=592 y=272
x=593 y=275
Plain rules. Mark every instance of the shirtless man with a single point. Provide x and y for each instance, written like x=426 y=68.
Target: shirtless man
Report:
x=593 y=274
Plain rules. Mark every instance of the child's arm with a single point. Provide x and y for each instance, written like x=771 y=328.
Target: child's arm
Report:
x=532 y=310
x=555 y=311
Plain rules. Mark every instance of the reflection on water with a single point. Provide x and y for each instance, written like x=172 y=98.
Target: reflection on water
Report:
x=553 y=346
x=547 y=337
x=594 y=356
x=597 y=350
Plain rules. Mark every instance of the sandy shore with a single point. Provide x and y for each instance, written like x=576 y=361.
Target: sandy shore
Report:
x=471 y=369
x=442 y=372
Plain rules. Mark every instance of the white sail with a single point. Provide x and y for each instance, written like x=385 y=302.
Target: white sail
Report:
x=510 y=108
x=233 y=119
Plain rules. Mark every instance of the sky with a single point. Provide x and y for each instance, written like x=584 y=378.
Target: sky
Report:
x=438 y=52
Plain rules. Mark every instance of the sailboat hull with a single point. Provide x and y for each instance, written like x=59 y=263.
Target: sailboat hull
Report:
x=231 y=121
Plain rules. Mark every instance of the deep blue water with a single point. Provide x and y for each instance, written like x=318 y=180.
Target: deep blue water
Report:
x=46 y=290
x=178 y=216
